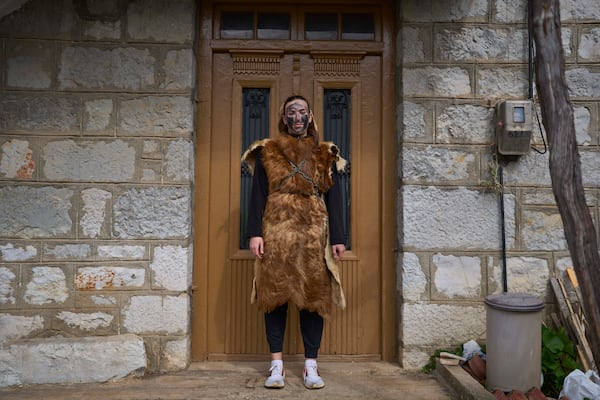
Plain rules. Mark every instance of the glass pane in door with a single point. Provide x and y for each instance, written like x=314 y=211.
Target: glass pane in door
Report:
x=255 y=126
x=337 y=107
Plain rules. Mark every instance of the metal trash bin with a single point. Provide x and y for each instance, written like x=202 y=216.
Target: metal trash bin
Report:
x=513 y=341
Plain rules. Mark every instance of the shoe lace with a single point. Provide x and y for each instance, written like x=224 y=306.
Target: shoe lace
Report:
x=311 y=370
x=276 y=369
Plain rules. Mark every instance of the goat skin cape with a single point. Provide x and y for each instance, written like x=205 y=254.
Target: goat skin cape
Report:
x=298 y=264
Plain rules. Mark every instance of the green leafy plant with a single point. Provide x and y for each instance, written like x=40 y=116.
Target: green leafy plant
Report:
x=559 y=359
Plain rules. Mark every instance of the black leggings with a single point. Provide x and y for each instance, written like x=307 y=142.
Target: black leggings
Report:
x=311 y=327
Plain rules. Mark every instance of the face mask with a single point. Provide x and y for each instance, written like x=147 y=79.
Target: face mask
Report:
x=297 y=119
x=295 y=129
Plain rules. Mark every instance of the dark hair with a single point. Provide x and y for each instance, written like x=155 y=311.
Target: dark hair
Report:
x=312 y=127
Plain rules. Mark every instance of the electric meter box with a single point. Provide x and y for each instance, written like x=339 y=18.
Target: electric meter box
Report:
x=513 y=126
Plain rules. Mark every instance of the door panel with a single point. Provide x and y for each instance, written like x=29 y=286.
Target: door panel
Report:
x=235 y=327
x=225 y=325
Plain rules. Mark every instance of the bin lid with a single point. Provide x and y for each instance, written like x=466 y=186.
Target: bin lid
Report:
x=518 y=302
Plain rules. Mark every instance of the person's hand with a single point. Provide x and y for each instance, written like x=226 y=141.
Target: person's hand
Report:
x=257 y=246
x=338 y=251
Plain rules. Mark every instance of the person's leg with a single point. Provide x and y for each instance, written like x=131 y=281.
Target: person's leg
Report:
x=275 y=331
x=311 y=327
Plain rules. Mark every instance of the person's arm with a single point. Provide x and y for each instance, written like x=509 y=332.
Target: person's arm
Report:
x=256 y=207
x=334 y=202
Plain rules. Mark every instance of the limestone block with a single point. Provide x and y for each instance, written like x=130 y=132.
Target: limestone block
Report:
x=503 y=82
x=457 y=276
x=15 y=327
x=518 y=46
x=99 y=161
x=563 y=263
x=465 y=123
x=11 y=252
x=95 y=300
x=178 y=70
x=101 y=20
x=461 y=10
x=99 y=116
x=17 y=160
x=70 y=251
x=93 y=211
x=9 y=369
x=445 y=325
x=589 y=45
x=531 y=170
x=590 y=167
x=583 y=82
x=86 y=68
x=481 y=44
x=28 y=66
x=510 y=11
x=592 y=198
x=72 y=360
x=40 y=113
x=109 y=278
x=152 y=171
x=574 y=10
x=542 y=229
x=152 y=149
x=524 y=275
x=171 y=268
x=46 y=286
x=122 y=252
x=437 y=82
x=152 y=213
x=437 y=219
x=471 y=43
x=51 y=20
x=583 y=119
x=179 y=160
x=416 y=121
x=416 y=44
x=438 y=164
x=156 y=116
x=414 y=279
x=567 y=36
x=8 y=285
x=176 y=355
x=161 y=20
x=35 y=211
x=539 y=196
x=165 y=315
x=97 y=322
x=102 y=30
x=107 y=10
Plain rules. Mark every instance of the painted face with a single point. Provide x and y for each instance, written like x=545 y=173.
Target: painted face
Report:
x=297 y=117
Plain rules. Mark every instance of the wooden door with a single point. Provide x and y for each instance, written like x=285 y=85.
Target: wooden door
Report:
x=348 y=93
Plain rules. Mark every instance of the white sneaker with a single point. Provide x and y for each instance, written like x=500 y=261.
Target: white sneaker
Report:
x=312 y=380
x=276 y=379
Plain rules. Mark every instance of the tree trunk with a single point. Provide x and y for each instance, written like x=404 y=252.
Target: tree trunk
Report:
x=565 y=167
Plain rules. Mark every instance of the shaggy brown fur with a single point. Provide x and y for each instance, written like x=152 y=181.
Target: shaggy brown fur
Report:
x=297 y=265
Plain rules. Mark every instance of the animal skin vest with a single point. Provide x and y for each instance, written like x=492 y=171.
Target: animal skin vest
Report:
x=297 y=265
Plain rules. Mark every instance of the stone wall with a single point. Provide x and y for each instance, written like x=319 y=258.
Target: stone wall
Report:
x=456 y=61
x=96 y=172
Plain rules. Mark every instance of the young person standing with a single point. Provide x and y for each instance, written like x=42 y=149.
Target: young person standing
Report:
x=296 y=233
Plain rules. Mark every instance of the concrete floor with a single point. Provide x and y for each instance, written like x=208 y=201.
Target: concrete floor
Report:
x=244 y=380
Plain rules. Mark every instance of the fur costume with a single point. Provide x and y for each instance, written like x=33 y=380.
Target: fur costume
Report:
x=297 y=264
